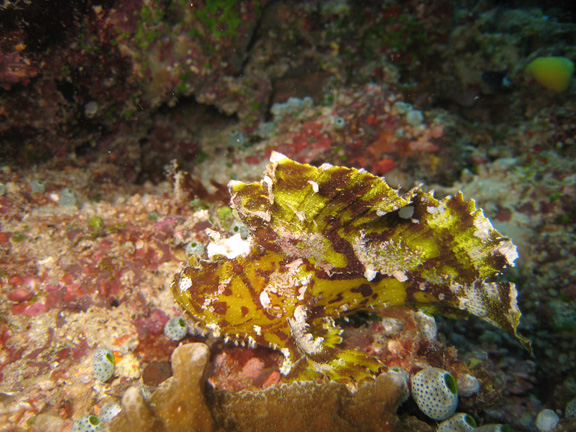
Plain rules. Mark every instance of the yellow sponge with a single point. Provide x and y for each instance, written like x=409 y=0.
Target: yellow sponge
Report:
x=554 y=73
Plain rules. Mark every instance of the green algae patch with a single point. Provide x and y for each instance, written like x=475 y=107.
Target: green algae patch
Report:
x=328 y=241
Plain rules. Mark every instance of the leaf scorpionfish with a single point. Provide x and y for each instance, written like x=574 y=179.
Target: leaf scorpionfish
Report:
x=326 y=242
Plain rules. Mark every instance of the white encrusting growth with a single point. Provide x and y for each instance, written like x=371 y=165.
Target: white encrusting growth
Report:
x=230 y=247
x=184 y=283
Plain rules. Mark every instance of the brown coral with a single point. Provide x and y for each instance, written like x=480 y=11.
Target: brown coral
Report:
x=185 y=403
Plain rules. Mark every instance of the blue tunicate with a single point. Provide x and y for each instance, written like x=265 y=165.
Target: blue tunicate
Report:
x=277 y=110
x=435 y=392
x=414 y=118
x=291 y=106
x=146 y=392
x=239 y=228
x=265 y=130
x=401 y=107
x=103 y=364
x=570 y=410
x=37 y=186
x=493 y=428
x=405 y=377
x=468 y=385
x=339 y=123
x=546 y=421
x=109 y=410
x=460 y=422
x=195 y=248
x=427 y=324
x=176 y=329
x=91 y=109
x=67 y=198
x=87 y=423
x=294 y=104
x=236 y=138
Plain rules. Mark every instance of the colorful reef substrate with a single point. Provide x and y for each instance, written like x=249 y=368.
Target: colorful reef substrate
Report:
x=255 y=215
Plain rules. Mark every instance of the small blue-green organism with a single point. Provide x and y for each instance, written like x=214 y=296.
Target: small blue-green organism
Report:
x=435 y=392
x=176 y=329
x=194 y=248
x=239 y=228
x=91 y=109
x=67 y=198
x=236 y=139
x=468 y=385
x=414 y=118
x=493 y=428
x=339 y=123
x=87 y=423
x=109 y=410
x=103 y=364
x=2 y=189
x=460 y=422
x=405 y=377
x=546 y=421
x=570 y=410
x=37 y=186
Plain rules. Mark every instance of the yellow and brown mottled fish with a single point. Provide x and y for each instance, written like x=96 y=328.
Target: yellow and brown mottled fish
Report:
x=330 y=241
